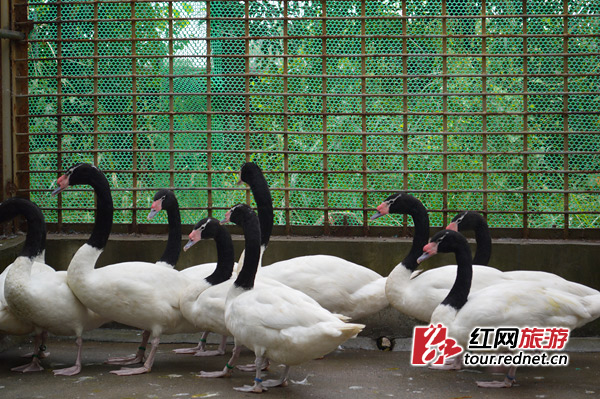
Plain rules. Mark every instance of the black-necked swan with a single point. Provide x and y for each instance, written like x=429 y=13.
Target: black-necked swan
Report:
x=163 y=199
x=507 y=304
x=44 y=299
x=273 y=320
x=203 y=302
x=10 y=324
x=474 y=221
x=418 y=294
x=140 y=294
x=338 y=285
x=34 y=248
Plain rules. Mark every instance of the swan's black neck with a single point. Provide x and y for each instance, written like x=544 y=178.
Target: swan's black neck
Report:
x=173 y=248
x=35 y=240
x=421 y=237
x=484 y=245
x=264 y=206
x=104 y=213
x=459 y=292
x=252 y=252
x=225 y=257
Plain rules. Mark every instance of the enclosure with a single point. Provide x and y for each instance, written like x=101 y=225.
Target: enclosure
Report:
x=488 y=105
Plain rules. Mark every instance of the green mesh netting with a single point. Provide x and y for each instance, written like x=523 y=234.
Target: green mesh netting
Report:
x=497 y=114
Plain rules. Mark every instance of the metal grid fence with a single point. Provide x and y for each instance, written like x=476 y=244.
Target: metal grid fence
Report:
x=490 y=105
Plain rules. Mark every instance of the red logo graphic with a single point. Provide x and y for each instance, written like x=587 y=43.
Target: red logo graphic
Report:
x=431 y=345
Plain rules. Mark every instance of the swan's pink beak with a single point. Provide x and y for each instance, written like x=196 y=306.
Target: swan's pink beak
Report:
x=195 y=236
x=382 y=210
x=63 y=183
x=227 y=217
x=155 y=208
x=452 y=226
x=428 y=251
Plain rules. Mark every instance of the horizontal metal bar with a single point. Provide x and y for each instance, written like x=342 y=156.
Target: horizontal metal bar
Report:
x=293 y=56
x=324 y=76
x=275 y=94
x=490 y=171
x=292 y=37
x=335 y=190
x=275 y=113
x=298 y=133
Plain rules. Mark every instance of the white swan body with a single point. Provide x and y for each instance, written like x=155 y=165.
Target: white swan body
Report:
x=277 y=322
x=506 y=304
x=46 y=301
x=417 y=293
x=336 y=284
x=140 y=294
x=10 y=324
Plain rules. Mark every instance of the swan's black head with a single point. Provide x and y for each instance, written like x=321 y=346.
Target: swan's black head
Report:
x=250 y=173
x=203 y=230
x=467 y=220
x=81 y=173
x=443 y=242
x=238 y=214
x=400 y=202
x=163 y=199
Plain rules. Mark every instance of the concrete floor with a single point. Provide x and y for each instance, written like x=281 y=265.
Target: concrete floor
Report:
x=347 y=373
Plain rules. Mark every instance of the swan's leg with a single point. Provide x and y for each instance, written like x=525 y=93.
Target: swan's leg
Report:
x=281 y=382
x=132 y=359
x=34 y=365
x=147 y=365
x=450 y=364
x=219 y=352
x=226 y=372
x=77 y=367
x=198 y=348
x=508 y=381
x=252 y=367
x=39 y=342
x=258 y=386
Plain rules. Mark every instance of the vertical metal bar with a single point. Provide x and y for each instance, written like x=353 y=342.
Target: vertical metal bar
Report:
x=247 y=81
x=133 y=227
x=21 y=103
x=566 y=117
x=525 y=126
x=171 y=98
x=286 y=160
x=326 y=227
x=209 y=191
x=363 y=72
x=444 y=116
x=405 y=108
x=59 y=129
x=484 y=109
x=5 y=116
x=96 y=84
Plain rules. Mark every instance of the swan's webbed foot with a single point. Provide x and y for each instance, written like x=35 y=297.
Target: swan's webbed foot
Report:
x=131 y=371
x=33 y=366
x=252 y=366
x=256 y=388
x=127 y=360
x=187 y=351
x=225 y=373
x=205 y=353
x=76 y=369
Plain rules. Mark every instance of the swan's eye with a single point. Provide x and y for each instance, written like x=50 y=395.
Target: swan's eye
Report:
x=163 y=198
